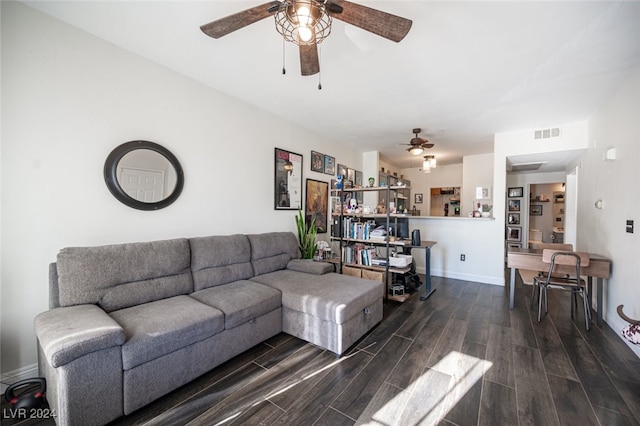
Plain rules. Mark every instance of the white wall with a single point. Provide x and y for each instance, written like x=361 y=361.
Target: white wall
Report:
x=477 y=172
x=68 y=99
x=616 y=124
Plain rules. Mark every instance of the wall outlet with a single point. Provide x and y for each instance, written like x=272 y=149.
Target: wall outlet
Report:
x=462 y=257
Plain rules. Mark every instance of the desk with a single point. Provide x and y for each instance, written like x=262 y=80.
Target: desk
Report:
x=426 y=245
x=522 y=258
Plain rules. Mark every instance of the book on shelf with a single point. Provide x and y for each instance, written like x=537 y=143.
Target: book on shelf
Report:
x=359 y=254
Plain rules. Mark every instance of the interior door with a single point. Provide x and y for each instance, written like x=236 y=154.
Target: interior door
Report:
x=143 y=185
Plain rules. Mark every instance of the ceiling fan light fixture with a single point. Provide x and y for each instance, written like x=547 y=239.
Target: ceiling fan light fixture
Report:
x=429 y=163
x=416 y=150
x=303 y=22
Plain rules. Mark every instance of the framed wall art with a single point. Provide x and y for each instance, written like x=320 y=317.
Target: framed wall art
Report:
x=514 y=233
x=417 y=198
x=515 y=192
x=317 y=162
x=342 y=171
x=514 y=205
x=513 y=219
x=329 y=165
x=535 y=210
x=287 y=180
x=317 y=204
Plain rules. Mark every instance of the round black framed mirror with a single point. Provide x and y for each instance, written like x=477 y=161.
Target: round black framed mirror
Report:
x=143 y=175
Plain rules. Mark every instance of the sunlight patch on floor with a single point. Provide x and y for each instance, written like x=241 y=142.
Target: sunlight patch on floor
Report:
x=433 y=394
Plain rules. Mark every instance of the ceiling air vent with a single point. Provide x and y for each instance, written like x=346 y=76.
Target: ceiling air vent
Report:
x=553 y=132
x=526 y=167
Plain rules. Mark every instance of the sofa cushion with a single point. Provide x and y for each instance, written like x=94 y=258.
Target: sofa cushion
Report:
x=164 y=326
x=123 y=275
x=240 y=301
x=272 y=251
x=331 y=297
x=310 y=266
x=220 y=260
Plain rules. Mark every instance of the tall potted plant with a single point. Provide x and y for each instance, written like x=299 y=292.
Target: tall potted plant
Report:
x=306 y=236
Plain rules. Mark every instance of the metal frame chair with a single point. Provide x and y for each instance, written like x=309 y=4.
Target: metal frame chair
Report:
x=571 y=281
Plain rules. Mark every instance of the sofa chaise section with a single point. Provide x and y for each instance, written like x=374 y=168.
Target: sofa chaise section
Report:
x=327 y=309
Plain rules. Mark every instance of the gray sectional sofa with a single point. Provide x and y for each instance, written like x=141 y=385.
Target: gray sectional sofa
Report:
x=129 y=323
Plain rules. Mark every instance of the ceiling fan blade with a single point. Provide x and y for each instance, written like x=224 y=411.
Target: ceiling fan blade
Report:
x=386 y=25
x=229 y=24
x=309 y=63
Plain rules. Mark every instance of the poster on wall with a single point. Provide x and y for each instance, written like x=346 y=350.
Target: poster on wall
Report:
x=288 y=180
x=317 y=204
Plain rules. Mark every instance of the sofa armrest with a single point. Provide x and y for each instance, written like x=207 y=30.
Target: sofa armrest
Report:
x=310 y=266
x=68 y=333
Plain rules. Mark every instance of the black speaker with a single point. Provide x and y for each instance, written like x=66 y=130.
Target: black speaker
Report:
x=415 y=237
x=27 y=398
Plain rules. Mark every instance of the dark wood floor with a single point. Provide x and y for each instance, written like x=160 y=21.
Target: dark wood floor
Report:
x=460 y=358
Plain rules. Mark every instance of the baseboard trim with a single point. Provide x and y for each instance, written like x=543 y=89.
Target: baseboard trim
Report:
x=10 y=377
x=466 y=277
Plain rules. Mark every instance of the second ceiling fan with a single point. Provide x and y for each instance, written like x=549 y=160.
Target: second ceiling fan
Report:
x=308 y=22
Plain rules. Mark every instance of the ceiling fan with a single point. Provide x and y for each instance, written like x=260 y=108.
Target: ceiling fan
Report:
x=308 y=22
x=417 y=144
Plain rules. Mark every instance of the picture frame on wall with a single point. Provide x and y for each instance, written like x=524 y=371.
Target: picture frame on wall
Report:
x=514 y=233
x=417 y=198
x=329 y=165
x=513 y=219
x=514 y=205
x=317 y=162
x=535 y=210
x=358 y=179
x=317 y=204
x=351 y=175
x=342 y=171
x=287 y=184
x=515 y=192
x=514 y=245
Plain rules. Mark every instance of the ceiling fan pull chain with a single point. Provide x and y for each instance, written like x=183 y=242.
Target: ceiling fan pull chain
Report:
x=284 y=71
x=320 y=72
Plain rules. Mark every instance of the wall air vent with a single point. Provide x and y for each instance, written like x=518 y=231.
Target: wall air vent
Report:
x=526 y=167
x=553 y=132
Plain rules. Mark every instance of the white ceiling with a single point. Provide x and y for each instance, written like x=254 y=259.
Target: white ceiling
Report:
x=465 y=71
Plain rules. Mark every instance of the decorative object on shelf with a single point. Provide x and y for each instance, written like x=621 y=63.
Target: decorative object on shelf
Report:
x=514 y=233
x=137 y=161
x=372 y=182
x=515 y=192
x=417 y=198
x=317 y=162
x=514 y=205
x=317 y=203
x=486 y=210
x=287 y=180
x=535 y=210
x=329 y=165
x=339 y=182
x=513 y=219
x=306 y=236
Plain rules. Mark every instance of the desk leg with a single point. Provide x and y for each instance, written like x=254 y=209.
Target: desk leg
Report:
x=599 y=285
x=590 y=292
x=427 y=275
x=512 y=288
